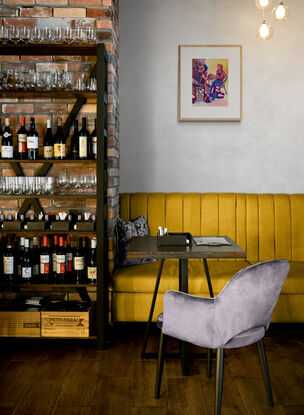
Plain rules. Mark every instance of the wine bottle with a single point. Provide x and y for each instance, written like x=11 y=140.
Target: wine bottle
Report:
x=35 y=260
x=7 y=148
x=22 y=140
x=79 y=263
x=8 y=262
x=26 y=267
x=20 y=259
x=54 y=256
x=74 y=152
x=60 y=260
x=1 y=135
x=45 y=261
x=48 y=142
x=59 y=142
x=94 y=142
x=92 y=263
x=84 y=140
x=32 y=141
x=69 y=259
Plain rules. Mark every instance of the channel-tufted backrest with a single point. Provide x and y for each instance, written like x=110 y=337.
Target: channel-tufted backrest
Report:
x=267 y=226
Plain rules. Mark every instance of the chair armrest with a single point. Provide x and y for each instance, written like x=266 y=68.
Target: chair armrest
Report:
x=189 y=318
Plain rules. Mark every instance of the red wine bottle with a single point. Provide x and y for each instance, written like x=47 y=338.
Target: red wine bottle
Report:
x=59 y=142
x=54 y=256
x=74 y=152
x=7 y=148
x=92 y=263
x=69 y=259
x=94 y=142
x=32 y=142
x=84 y=141
x=8 y=262
x=35 y=261
x=22 y=140
x=45 y=261
x=26 y=267
x=48 y=142
x=79 y=263
x=60 y=260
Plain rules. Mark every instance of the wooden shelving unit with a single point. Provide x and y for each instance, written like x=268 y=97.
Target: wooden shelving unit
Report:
x=99 y=71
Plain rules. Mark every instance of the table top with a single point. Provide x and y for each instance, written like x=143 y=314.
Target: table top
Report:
x=146 y=247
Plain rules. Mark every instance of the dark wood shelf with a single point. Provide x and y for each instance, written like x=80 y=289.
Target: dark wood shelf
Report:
x=48 y=232
x=48 y=49
x=65 y=196
x=53 y=161
x=47 y=285
x=47 y=94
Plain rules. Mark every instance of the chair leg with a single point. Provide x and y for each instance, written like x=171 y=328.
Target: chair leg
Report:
x=219 y=381
x=160 y=363
x=209 y=363
x=264 y=365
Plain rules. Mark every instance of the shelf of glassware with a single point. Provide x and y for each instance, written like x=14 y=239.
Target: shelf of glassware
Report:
x=53 y=196
x=49 y=49
x=53 y=161
x=32 y=93
x=30 y=234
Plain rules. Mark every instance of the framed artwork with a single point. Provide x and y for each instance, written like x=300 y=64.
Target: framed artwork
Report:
x=209 y=82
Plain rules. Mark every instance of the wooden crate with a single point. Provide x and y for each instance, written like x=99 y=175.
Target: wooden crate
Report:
x=65 y=323
x=20 y=323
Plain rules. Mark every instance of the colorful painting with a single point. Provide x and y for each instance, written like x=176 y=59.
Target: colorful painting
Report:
x=210 y=82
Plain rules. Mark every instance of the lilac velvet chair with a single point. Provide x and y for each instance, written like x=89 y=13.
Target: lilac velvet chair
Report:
x=238 y=316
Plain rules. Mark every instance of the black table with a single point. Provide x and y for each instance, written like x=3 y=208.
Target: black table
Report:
x=146 y=247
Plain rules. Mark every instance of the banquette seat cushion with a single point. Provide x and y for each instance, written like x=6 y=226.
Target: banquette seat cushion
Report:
x=267 y=226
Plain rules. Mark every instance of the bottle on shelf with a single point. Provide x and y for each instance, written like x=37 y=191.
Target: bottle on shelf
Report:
x=84 y=141
x=59 y=142
x=74 y=150
x=8 y=262
x=54 y=256
x=32 y=142
x=60 y=261
x=48 y=142
x=45 y=261
x=26 y=267
x=20 y=259
x=7 y=147
x=92 y=263
x=1 y=135
x=94 y=142
x=79 y=263
x=35 y=260
x=69 y=259
x=22 y=140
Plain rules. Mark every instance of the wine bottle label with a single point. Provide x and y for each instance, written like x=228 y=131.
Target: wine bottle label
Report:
x=26 y=272
x=19 y=270
x=44 y=264
x=69 y=261
x=35 y=269
x=8 y=264
x=0 y=143
x=94 y=146
x=7 y=152
x=59 y=150
x=54 y=261
x=78 y=263
x=83 y=146
x=32 y=142
x=92 y=273
x=60 y=264
x=48 y=152
x=22 y=143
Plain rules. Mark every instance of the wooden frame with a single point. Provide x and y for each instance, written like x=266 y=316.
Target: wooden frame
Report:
x=181 y=115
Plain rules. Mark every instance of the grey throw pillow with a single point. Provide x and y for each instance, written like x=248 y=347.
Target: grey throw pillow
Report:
x=124 y=232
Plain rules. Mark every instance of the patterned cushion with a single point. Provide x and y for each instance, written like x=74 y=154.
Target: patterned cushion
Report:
x=125 y=231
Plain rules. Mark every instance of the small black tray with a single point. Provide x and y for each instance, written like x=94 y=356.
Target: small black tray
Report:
x=85 y=226
x=60 y=225
x=11 y=225
x=35 y=226
x=174 y=239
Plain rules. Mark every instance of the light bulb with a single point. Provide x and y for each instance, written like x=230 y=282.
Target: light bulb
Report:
x=263 y=4
x=264 y=31
x=281 y=12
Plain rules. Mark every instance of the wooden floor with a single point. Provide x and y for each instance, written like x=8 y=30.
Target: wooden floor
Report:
x=73 y=378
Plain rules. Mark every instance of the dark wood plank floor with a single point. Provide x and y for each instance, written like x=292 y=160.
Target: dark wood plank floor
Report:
x=73 y=378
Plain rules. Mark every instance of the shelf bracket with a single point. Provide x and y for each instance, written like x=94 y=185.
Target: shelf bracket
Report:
x=17 y=168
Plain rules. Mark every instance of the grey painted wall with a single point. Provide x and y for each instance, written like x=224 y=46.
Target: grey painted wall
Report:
x=262 y=153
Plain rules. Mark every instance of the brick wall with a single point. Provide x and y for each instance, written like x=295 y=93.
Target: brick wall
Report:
x=102 y=14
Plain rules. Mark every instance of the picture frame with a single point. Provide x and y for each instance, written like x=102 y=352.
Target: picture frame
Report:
x=209 y=82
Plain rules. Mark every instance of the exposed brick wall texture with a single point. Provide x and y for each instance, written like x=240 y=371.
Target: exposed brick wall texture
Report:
x=103 y=15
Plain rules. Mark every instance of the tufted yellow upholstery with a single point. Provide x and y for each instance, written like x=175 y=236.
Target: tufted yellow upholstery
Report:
x=267 y=226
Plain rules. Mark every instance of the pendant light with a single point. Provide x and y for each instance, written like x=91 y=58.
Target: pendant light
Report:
x=263 y=4
x=264 y=31
x=281 y=12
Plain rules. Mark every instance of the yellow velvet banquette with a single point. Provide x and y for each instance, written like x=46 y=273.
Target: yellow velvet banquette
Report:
x=267 y=226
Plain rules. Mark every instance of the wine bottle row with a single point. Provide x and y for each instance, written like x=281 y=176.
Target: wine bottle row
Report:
x=83 y=145
x=62 y=262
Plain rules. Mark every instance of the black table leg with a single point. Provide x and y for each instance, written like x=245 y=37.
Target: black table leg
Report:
x=183 y=286
x=160 y=268
x=208 y=278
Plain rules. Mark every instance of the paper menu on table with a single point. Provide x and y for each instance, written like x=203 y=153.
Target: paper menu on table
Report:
x=211 y=240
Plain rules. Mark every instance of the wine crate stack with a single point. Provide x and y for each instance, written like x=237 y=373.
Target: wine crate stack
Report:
x=99 y=14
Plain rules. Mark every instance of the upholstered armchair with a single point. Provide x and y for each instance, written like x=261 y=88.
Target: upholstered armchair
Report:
x=238 y=316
